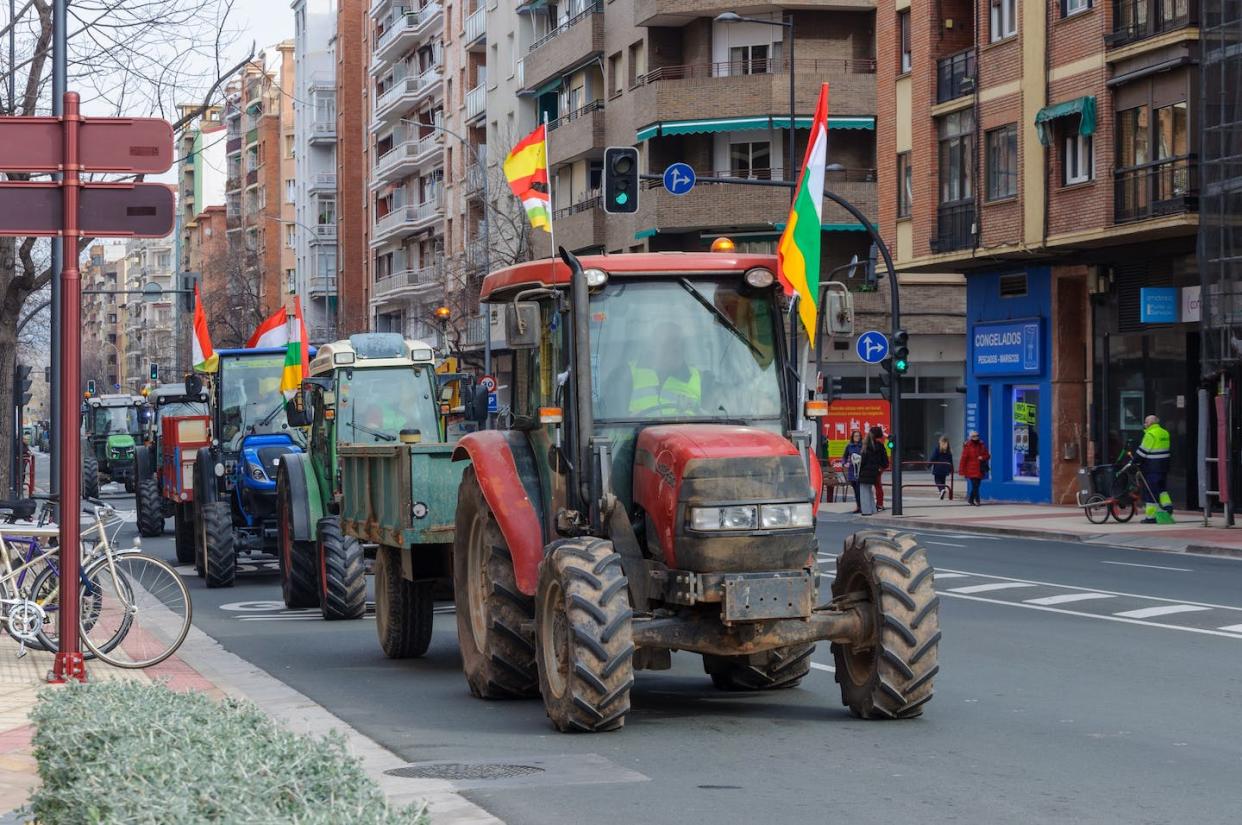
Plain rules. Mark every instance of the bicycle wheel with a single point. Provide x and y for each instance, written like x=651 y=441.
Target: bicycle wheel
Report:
x=46 y=591
x=1124 y=508
x=144 y=605
x=1096 y=509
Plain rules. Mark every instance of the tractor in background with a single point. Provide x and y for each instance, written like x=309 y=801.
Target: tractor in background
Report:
x=154 y=499
x=112 y=429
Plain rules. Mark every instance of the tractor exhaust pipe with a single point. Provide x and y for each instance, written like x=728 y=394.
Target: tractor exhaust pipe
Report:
x=580 y=376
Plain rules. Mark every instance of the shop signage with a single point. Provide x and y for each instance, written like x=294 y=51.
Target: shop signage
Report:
x=1159 y=305
x=1192 y=311
x=1006 y=348
x=846 y=415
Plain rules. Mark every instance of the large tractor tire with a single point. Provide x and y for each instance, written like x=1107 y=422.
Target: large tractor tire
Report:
x=780 y=668
x=342 y=573
x=219 y=555
x=403 y=609
x=299 y=573
x=183 y=532
x=150 y=512
x=890 y=675
x=497 y=649
x=583 y=637
x=90 y=476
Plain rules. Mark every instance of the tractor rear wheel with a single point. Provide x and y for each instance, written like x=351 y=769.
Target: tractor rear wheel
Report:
x=583 y=636
x=403 y=609
x=888 y=676
x=219 y=555
x=183 y=532
x=90 y=477
x=497 y=652
x=780 y=668
x=150 y=515
x=342 y=573
x=299 y=575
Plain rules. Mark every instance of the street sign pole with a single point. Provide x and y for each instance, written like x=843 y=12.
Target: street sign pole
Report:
x=60 y=74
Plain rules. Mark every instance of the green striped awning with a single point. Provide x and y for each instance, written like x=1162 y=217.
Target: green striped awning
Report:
x=666 y=128
x=1082 y=107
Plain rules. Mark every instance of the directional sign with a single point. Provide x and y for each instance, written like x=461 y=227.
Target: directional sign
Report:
x=872 y=346
x=679 y=178
x=140 y=145
x=135 y=210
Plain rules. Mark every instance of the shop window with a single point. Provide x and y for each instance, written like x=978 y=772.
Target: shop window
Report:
x=1024 y=444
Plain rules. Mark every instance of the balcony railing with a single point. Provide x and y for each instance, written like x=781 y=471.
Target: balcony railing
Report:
x=955 y=227
x=594 y=8
x=736 y=68
x=233 y=145
x=324 y=180
x=476 y=25
x=252 y=177
x=476 y=101
x=409 y=279
x=475 y=175
x=1166 y=187
x=1135 y=20
x=476 y=253
x=252 y=137
x=405 y=20
x=323 y=129
x=325 y=231
x=593 y=106
x=592 y=199
x=474 y=331
x=322 y=285
x=232 y=184
x=955 y=75
x=410 y=85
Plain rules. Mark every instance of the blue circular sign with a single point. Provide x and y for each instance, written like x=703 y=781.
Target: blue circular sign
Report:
x=872 y=346
x=679 y=178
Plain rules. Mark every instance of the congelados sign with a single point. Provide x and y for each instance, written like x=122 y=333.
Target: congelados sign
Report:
x=1007 y=348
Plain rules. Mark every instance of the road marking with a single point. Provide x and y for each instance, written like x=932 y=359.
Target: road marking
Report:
x=1232 y=628
x=186 y=570
x=1151 y=566
x=939 y=574
x=1066 y=598
x=1101 y=616
x=986 y=588
x=943 y=543
x=971 y=536
x=1162 y=610
x=307 y=618
x=818 y=666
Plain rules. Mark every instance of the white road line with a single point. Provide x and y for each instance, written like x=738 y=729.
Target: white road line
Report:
x=971 y=536
x=1066 y=598
x=307 y=618
x=986 y=588
x=943 y=543
x=939 y=574
x=1102 y=616
x=1151 y=566
x=1162 y=610
x=818 y=666
x=1231 y=628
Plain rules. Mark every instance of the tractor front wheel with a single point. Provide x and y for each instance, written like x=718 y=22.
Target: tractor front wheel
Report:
x=780 y=668
x=298 y=574
x=583 y=636
x=219 y=555
x=403 y=609
x=183 y=532
x=90 y=477
x=888 y=676
x=342 y=573
x=150 y=515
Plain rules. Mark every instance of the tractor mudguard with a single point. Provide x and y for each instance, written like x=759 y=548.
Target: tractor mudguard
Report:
x=512 y=495
x=305 y=497
x=205 y=490
x=817 y=483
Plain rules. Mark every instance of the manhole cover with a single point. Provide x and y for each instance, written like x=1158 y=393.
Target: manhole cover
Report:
x=458 y=772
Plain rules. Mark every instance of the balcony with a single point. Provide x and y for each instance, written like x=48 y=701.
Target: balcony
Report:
x=322 y=286
x=577 y=133
x=955 y=75
x=324 y=233
x=474 y=332
x=322 y=131
x=581 y=225
x=233 y=145
x=405 y=220
x=322 y=182
x=476 y=254
x=324 y=81
x=1166 y=187
x=475 y=178
x=404 y=29
x=407 y=157
x=252 y=137
x=404 y=95
x=1135 y=20
x=408 y=282
x=475 y=34
x=476 y=102
x=252 y=178
x=955 y=227
x=569 y=44
x=232 y=184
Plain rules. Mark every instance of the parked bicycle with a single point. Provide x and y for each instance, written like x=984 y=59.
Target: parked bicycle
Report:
x=1112 y=489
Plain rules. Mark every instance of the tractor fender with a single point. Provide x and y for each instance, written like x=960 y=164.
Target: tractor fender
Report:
x=816 y=473
x=305 y=497
x=512 y=495
x=205 y=490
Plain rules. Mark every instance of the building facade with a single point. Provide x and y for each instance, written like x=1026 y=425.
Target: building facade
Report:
x=103 y=322
x=150 y=325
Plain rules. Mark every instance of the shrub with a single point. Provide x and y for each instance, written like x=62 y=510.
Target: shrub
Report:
x=139 y=753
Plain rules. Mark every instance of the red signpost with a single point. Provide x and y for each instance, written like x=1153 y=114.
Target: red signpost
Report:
x=72 y=144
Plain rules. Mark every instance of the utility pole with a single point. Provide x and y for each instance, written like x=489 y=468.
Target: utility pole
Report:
x=60 y=63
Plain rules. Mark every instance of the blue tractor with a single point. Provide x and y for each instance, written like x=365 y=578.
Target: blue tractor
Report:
x=235 y=477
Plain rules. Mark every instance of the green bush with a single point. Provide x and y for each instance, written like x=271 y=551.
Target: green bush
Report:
x=129 y=752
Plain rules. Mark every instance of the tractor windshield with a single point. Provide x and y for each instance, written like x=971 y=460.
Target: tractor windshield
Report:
x=114 y=420
x=683 y=348
x=375 y=405
x=248 y=392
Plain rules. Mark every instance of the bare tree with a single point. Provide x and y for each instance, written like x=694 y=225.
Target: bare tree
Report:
x=231 y=298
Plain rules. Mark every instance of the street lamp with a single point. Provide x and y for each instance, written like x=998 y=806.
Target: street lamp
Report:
x=443 y=314
x=787 y=23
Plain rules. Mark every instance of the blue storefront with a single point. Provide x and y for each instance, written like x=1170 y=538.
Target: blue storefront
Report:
x=1008 y=387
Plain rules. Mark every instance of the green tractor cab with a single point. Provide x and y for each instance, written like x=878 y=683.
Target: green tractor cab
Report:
x=112 y=428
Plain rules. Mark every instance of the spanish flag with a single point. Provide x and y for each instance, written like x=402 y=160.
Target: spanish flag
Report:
x=526 y=169
x=797 y=254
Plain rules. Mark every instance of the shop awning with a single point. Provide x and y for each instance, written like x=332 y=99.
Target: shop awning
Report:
x=1082 y=107
x=666 y=128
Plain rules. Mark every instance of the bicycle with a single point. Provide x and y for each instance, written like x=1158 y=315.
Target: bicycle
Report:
x=1124 y=484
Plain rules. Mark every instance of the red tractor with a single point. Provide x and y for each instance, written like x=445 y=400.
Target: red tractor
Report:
x=656 y=491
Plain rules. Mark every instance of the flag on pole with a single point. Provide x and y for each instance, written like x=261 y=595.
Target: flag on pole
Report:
x=296 y=355
x=274 y=332
x=204 y=355
x=526 y=170
x=798 y=252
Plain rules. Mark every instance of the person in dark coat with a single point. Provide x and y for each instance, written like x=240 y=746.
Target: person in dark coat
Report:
x=942 y=464
x=974 y=465
x=874 y=462
x=850 y=459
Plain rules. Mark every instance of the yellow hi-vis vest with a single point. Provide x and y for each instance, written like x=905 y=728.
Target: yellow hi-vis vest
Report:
x=647 y=394
x=1155 y=449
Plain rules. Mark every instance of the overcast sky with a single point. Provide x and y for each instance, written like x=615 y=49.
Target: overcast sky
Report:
x=267 y=22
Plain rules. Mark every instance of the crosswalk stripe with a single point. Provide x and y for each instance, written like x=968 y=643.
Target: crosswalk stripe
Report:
x=1066 y=598
x=1231 y=628
x=987 y=588
x=1162 y=610
x=818 y=666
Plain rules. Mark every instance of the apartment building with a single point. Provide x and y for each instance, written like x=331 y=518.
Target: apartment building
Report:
x=103 y=323
x=149 y=325
x=353 y=162
x=312 y=189
x=1047 y=152
x=200 y=172
x=406 y=156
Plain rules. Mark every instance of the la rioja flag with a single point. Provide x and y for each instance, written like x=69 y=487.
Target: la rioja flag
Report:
x=798 y=252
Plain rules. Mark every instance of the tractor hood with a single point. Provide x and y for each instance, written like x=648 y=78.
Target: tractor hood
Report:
x=120 y=442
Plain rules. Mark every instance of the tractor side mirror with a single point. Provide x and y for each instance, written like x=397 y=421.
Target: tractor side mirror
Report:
x=522 y=325
x=300 y=410
x=477 y=409
x=193 y=385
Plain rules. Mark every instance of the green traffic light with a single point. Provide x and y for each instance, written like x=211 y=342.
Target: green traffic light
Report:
x=890 y=444
x=901 y=365
x=622 y=198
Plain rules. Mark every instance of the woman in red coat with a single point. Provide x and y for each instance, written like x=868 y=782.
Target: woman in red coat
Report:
x=974 y=465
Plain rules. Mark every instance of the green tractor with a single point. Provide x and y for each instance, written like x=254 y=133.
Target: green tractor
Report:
x=112 y=429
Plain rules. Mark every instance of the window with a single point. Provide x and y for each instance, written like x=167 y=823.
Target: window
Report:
x=1133 y=146
x=903 y=26
x=1003 y=19
x=1071 y=7
x=749 y=59
x=291 y=280
x=750 y=160
x=327 y=211
x=614 y=76
x=291 y=190
x=291 y=236
x=1172 y=138
x=636 y=68
x=513 y=58
x=289 y=145
x=1002 y=159
x=1079 y=166
x=905 y=185
x=1025 y=444
x=327 y=261
x=957 y=157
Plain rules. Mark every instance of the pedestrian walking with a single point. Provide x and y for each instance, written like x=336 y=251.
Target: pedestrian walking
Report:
x=879 y=482
x=850 y=459
x=974 y=465
x=942 y=464
x=873 y=463
x=1153 y=457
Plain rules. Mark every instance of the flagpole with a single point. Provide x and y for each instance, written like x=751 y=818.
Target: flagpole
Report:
x=547 y=167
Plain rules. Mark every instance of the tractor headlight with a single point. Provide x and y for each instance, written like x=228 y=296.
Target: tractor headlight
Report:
x=256 y=472
x=743 y=517
x=778 y=516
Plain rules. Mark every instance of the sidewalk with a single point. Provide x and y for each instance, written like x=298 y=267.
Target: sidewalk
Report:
x=202 y=665
x=1043 y=521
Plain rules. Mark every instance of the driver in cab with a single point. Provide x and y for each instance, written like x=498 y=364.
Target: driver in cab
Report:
x=662 y=383
x=235 y=414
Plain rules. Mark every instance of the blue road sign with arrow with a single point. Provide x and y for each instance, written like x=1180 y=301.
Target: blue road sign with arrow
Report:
x=679 y=178
x=872 y=346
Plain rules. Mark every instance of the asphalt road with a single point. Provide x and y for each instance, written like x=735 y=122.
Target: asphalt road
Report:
x=1078 y=684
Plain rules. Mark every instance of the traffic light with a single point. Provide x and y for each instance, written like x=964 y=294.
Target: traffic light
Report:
x=155 y=372
x=90 y=388
x=886 y=379
x=872 y=278
x=901 y=352
x=21 y=385
x=832 y=388
x=189 y=280
x=620 y=180
x=47 y=375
